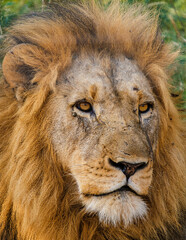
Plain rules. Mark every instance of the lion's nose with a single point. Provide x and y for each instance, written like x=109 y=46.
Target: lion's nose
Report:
x=128 y=168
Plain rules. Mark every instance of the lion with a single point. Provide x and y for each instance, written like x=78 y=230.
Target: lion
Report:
x=91 y=144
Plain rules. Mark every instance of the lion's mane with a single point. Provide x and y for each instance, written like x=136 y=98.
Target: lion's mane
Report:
x=38 y=198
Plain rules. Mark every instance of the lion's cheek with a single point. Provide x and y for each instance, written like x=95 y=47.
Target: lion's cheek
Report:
x=141 y=181
x=89 y=184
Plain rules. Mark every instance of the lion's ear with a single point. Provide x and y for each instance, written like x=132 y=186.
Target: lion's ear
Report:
x=20 y=64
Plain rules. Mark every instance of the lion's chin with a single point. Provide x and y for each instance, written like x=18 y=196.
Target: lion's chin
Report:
x=117 y=208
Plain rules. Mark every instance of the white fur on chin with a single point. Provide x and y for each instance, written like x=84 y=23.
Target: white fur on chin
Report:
x=115 y=208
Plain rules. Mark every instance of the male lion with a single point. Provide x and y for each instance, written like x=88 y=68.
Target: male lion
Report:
x=91 y=144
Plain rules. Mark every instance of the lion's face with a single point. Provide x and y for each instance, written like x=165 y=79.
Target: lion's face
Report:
x=106 y=133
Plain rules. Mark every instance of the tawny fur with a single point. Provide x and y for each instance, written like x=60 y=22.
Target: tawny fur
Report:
x=33 y=184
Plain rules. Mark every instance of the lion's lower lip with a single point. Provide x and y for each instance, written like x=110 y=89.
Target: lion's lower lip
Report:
x=122 y=189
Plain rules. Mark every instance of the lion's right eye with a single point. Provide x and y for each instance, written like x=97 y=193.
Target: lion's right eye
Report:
x=84 y=106
x=144 y=108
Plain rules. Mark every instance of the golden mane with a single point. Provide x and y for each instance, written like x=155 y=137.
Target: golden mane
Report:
x=31 y=179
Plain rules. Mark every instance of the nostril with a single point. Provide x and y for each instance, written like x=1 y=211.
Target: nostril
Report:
x=128 y=168
x=117 y=165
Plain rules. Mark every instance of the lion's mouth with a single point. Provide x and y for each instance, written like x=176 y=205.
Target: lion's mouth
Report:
x=122 y=189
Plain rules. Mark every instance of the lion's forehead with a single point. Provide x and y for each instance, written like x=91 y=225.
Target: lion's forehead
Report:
x=108 y=74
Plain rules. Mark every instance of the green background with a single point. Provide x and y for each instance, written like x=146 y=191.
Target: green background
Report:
x=172 y=22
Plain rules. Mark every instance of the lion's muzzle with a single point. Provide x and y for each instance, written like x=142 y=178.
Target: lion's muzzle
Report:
x=128 y=169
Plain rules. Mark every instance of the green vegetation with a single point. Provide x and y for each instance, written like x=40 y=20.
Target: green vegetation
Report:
x=10 y=9
x=172 y=14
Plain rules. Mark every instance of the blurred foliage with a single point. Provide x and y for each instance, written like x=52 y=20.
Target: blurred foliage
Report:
x=10 y=9
x=172 y=15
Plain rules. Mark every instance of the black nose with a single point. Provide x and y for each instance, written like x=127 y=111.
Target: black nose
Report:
x=128 y=168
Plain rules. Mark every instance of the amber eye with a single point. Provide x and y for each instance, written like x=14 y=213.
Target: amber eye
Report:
x=143 y=108
x=84 y=106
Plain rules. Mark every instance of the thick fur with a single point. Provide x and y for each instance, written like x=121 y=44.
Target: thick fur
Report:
x=38 y=198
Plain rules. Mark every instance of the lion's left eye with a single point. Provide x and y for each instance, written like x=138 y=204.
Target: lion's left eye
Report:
x=84 y=106
x=144 y=108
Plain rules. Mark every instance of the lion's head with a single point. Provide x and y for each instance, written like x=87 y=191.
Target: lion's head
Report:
x=91 y=143
x=110 y=117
